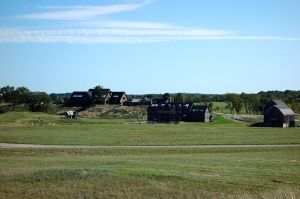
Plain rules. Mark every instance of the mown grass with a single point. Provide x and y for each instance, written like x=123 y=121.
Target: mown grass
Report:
x=150 y=173
x=38 y=128
x=145 y=172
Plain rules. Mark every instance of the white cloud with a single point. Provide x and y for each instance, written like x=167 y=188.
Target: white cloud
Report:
x=82 y=12
x=98 y=36
x=81 y=25
x=124 y=24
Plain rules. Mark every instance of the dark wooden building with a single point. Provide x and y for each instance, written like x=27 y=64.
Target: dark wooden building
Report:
x=80 y=99
x=278 y=114
x=118 y=98
x=200 y=114
x=174 y=112
x=164 y=112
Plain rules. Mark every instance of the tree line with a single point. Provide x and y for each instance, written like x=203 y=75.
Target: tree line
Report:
x=34 y=101
x=255 y=103
x=251 y=103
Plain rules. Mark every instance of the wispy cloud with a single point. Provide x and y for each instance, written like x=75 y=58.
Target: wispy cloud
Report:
x=123 y=24
x=82 y=25
x=98 y=36
x=81 y=12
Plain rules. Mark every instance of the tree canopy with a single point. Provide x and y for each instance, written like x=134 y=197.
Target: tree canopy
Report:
x=35 y=101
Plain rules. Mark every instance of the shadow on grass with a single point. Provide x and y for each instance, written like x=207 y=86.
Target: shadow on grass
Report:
x=257 y=124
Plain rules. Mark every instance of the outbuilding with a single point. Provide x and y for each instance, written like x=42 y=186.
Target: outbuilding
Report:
x=278 y=114
x=200 y=114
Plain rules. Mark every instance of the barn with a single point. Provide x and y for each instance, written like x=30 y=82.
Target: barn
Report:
x=80 y=98
x=278 y=114
x=200 y=114
x=118 y=98
x=174 y=112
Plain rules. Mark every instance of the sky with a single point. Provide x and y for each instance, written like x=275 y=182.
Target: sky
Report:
x=151 y=46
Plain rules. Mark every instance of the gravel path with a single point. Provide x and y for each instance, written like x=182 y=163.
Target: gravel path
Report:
x=11 y=145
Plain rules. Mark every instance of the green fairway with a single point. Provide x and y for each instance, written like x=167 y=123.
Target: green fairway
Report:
x=150 y=173
x=145 y=172
x=49 y=129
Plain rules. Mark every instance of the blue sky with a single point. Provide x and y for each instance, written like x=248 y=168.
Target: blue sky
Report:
x=202 y=46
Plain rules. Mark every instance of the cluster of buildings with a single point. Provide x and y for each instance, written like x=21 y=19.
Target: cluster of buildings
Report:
x=276 y=113
x=162 y=111
x=86 y=98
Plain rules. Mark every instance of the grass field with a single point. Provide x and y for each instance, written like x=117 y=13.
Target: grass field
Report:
x=145 y=172
x=221 y=108
x=39 y=128
x=150 y=173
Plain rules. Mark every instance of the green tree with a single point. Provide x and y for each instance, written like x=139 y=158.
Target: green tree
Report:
x=99 y=95
x=255 y=103
x=38 y=101
x=22 y=94
x=229 y=106
x=211 y=105
x=166 y=97
x=9 y=95
x=179 y=98
x=236 y=102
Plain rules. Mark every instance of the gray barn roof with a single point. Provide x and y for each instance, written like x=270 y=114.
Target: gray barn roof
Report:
x=285 y=111
x=280 y=104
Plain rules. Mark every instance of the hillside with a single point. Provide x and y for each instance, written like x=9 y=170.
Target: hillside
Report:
x=113 y=112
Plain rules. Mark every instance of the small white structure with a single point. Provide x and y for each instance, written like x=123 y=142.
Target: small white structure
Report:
x=71 y=115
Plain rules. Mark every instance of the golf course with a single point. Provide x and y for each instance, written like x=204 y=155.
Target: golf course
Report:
x=46 y=156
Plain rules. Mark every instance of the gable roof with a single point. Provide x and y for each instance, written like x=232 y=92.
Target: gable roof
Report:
x=285 y=111
x=106 y=90
x=280 y=104
x=201 y=108
x=117 y=95
x=136 y=100
x=80 y=94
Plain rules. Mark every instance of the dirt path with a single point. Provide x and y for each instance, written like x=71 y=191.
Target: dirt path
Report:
x=11 y=145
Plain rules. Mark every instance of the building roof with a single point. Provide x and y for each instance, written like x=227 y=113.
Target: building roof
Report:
x=147 y=99
x=117 y=95
x=200 y=108
x=107 y=90
x=79 y=94
x=136 y=100
x=285 y=111
x=280 y=104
